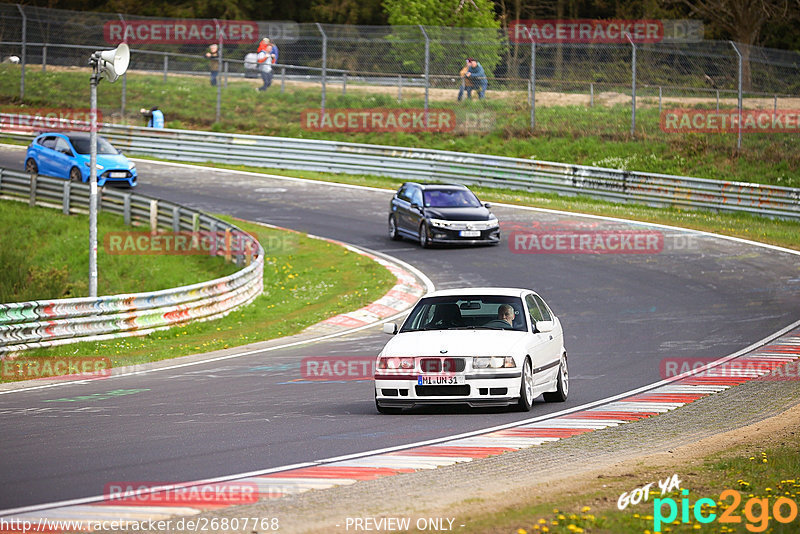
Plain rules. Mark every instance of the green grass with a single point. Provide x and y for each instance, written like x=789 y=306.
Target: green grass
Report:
x=306 y=280
x=785 y=233
x=45 y=255
x=574 y=134
x=769 y=474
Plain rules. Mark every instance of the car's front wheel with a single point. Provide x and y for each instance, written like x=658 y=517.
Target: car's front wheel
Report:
x=31 y=167
x=424 y=236
x=393 y=234
x=526 y=387
x=75 y=175
x=562 y=387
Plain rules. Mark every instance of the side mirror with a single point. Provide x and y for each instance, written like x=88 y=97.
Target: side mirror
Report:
x=390 y=328
x=416 y=205
x=545 y=326
x=487 y=205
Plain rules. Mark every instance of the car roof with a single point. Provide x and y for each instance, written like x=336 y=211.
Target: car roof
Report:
x=481 y=291
x=439 y=186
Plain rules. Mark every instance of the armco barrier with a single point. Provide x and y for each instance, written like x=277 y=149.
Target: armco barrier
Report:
x=424 y=164
x=25 y=325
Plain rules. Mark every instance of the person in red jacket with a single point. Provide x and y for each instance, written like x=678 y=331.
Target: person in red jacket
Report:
x=265 y=58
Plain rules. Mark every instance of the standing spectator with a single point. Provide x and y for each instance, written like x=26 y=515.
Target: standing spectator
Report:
x=477 y=75
x=213 y=64
x=274 y=50
x=464 y=81
x=265 y=61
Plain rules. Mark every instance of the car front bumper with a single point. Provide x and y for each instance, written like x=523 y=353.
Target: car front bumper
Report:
x=454 y=237
x=496 y=389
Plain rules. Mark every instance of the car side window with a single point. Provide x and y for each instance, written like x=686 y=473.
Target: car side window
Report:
x=62 y=146
x=48 y=142
x=546 y=315
x=533 y=310
x=416 y=196
x=402 y=194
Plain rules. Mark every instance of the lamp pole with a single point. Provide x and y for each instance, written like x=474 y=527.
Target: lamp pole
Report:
x=93 y=178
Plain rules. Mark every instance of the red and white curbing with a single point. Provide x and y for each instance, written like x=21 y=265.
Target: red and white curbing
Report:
x=683 y=390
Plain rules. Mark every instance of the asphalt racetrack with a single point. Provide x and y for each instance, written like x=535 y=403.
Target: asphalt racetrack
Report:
x=623 y=315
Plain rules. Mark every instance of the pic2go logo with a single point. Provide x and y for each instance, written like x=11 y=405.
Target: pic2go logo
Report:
x=756 y=511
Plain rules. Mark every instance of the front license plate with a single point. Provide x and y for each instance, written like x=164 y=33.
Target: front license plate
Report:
x=469 y=233
x=453 y=380
x=118 y=174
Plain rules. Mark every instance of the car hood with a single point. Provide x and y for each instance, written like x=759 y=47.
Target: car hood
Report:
x=108 y=161
x=459 y=214
x=456 y=342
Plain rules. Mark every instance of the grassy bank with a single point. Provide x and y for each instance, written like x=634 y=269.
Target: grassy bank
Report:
x=598 y=135
x=305 y=281
x=764 y=475
x=45 y=255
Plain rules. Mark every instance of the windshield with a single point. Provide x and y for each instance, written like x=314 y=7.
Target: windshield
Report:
x=467 y=313
x=450 y=198
x=82 y=145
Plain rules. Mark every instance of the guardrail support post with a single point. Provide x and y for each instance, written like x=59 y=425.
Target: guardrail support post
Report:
x=195 y=230
x=214 y=238
x=176 y=219
x=126 y=208
x=65 y=198
x=153 y=216
x=227 y=245
x=32 y=200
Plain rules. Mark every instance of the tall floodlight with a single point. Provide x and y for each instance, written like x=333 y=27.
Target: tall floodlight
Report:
x=108 y=64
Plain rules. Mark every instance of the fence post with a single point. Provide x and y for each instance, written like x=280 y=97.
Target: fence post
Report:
x=283 y=79
x=775 y=104
x=344 y=83
x=44 y=57
x=125 y=75
x=659 y=100
x=166 y=66
x=533 y=84
x=739 y=137
x=591 y=95
x=399 y=87
x=324 y=66
x=427 y=70
x=633 y=85
x=24 y=50
x=227 y=68
x=717 y=100
x=219 y=63
x=65 y=198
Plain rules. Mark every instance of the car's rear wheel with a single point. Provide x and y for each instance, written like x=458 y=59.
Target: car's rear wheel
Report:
x=393 y=234
x=31 y=166
x=526 y=387
x=424 y=236
x=386 y=410
x=560 y=394
x=75 y=175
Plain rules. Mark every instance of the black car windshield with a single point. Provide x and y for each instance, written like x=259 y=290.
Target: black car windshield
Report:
x=467 y=312
x=82 y=145
x=450 y=198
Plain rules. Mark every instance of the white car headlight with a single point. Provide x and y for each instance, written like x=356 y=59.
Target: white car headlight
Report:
x=492 y=362
x=131 y=166
x=439 y=223
x=396 y=363
x=100 y=167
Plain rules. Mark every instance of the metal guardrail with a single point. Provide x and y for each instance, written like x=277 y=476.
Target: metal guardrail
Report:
x=489 y=171
x=460 y=167
x=25 y=325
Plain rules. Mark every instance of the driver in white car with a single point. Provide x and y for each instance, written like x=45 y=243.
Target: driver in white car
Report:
x=506 y=313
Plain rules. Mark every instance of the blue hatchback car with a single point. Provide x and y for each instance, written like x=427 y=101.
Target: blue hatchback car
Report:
x=66 y=155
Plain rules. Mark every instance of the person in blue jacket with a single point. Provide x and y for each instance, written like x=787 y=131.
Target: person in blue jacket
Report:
x=155 y=118
x=477 y=75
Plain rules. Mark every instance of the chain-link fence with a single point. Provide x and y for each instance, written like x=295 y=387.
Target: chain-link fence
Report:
x=617 y=91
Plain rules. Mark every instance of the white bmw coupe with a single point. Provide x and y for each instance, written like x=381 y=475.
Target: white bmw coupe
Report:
x=475 y=346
